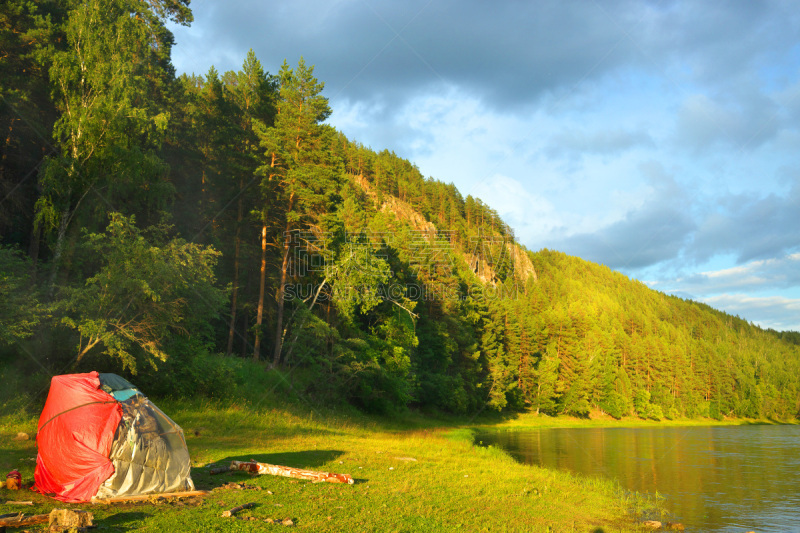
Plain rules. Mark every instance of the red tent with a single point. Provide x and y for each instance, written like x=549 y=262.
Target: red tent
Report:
x=99 y=436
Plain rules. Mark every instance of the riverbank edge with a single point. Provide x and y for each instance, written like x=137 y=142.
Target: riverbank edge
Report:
x=528 y=420
x=435 y=468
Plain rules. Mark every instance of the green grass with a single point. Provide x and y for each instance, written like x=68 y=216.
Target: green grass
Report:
x=413 y=474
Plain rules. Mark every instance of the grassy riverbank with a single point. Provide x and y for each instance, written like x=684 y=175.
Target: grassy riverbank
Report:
x=414 y=474
x=525 y=421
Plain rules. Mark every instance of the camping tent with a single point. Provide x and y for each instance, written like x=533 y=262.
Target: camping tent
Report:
x=99 y=437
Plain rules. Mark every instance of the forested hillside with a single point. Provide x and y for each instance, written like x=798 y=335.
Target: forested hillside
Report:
x=171 y=226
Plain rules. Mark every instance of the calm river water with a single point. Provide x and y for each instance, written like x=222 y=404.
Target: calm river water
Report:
x=732 y=478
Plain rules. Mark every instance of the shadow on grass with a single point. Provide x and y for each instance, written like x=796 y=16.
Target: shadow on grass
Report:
x=307 y=460
x=126 y=521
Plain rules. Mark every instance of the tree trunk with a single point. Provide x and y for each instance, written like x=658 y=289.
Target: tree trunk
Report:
x=303 y=323
x=276 y=356
x=237 y=246
x=246 y=320
x=287 y=471
x=33 y=251
x=59 y=250
x=230 y=512
x=20 y=520
x=260 y=313
x=146 y=497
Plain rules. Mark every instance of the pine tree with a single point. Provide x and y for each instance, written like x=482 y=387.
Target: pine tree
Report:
x=298 y=170
x=251 y=90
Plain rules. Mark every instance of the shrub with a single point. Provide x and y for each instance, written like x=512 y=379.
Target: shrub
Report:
x=654 y=412
x=614 y=404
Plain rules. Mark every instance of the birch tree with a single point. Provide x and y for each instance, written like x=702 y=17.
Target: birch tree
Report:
x=109 y=125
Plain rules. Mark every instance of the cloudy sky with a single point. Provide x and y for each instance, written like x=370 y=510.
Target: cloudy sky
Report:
x=661 y=139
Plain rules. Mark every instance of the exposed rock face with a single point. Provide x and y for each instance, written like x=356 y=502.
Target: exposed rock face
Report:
x=396 y=206
x=523 y=267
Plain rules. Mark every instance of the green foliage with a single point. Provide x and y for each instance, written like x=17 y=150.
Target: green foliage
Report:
x=141 y=293
x=644 y=408
x=641 y=403
x=714 y=410
x=419 y=296
x=195 y=373
x=655 y=412
x=106 y=126
x=356 y=276
x=373 y=375
x=614 y=404
x=547 y=378
x=20 y=310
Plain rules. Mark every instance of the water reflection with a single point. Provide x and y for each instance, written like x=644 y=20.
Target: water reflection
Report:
x=733 y=478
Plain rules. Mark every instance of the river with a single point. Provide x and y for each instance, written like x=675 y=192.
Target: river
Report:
x=717 y=478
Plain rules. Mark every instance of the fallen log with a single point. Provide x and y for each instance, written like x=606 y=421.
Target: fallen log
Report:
x=231 y=512
x=145 y=497
x=255 y=467
x=21 y=520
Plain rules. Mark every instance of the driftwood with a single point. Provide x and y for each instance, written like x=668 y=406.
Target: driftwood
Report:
x=21 y=520
x=231 y=512
x=255 y=467
x=145 y=497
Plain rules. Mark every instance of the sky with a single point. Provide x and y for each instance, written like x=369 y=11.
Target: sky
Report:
x=661 y=139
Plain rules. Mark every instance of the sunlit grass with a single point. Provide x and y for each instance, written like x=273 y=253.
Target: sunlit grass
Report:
x=409 y=477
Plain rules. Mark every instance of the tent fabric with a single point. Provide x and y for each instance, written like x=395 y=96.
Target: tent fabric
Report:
x=149 y=453
x=100 y=437
x=76 y=430
x=113 y=382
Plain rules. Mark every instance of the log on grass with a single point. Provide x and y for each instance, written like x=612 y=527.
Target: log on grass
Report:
x=231 y=512
x=21 y=520
x=145 y=497
x=255 y=467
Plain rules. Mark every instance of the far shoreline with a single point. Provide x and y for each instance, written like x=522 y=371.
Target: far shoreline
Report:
x=525 y=421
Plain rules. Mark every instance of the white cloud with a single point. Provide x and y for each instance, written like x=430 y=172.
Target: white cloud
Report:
x=751 y=226
x=780 y=273
x=776 y=312
x=531 y=216
x=741 y=121
x=611 y=142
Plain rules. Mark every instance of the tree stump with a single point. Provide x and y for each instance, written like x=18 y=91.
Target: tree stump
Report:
x=65 y=519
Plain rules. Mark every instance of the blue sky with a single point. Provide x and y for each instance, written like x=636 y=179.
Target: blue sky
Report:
x=659 y=138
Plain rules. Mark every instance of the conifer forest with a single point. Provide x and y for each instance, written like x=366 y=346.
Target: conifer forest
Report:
x=169 y=226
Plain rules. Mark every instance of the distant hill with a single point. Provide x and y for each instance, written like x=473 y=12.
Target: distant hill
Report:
x=568 y=336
